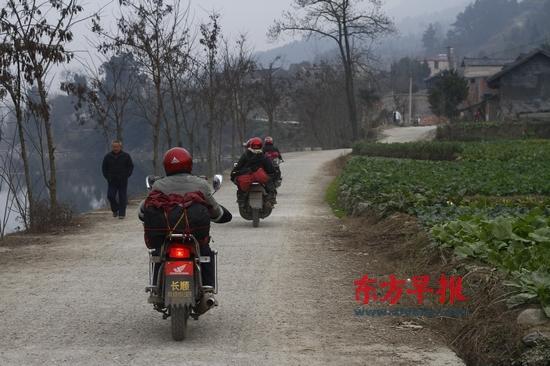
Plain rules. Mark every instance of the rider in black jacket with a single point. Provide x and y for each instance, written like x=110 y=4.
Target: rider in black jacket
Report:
x=252 y=160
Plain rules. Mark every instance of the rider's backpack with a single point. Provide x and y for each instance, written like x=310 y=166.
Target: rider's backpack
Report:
x=175 y=214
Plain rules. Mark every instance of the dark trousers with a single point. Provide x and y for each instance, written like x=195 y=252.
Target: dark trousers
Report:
x=117 y=196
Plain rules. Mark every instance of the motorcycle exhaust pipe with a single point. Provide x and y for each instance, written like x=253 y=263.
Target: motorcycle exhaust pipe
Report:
x=207 y=302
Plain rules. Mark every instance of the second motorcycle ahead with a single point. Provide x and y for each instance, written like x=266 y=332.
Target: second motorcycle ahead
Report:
x=256 y=178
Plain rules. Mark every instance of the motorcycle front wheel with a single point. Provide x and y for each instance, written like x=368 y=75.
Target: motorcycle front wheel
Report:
x=179 y=316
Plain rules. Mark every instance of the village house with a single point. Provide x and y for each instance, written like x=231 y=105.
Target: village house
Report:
x=477 y=71
x=438 y=64
x=523 y=87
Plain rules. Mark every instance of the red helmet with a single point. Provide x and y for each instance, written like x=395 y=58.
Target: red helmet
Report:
x=177 y=160
x=255 y=145
x=268 y=140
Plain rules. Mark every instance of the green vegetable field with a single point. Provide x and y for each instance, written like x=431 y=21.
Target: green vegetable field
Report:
x=488 y=201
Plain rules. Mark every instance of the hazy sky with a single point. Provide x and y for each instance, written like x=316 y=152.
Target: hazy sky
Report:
x=253 y=17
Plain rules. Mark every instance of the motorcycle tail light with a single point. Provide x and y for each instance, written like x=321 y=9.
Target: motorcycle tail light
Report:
x=179 y=251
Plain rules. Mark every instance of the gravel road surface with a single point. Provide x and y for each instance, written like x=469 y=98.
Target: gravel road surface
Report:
x=286 y=294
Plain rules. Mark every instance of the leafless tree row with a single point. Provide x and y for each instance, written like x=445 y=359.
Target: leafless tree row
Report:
x=180 y=81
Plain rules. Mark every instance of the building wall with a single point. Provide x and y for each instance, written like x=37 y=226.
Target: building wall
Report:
x=478 y=89
x=527 y=88
x=477 y=81
x=437 y=66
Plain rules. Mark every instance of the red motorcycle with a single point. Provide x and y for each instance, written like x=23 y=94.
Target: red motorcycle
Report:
x=176 y=288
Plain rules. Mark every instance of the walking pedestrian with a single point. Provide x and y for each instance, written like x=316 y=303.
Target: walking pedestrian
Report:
x=117 y=168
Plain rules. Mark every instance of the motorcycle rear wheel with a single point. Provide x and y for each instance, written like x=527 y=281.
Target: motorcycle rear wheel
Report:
x=178 y=319
x=255 y=217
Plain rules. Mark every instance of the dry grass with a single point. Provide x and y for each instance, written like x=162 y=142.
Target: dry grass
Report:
x=489 y=334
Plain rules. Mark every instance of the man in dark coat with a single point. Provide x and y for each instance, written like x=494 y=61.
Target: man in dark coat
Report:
x=117 y=168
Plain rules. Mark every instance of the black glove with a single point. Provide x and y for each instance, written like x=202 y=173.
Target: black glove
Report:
x=226 y=217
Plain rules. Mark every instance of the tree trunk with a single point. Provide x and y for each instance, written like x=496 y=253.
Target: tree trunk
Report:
x=28 y=180
x=210 y=124
x=119 y=130
x=157 y=125
x=352 y=105
x=210 y=152
x=233 y=143
x=270 y=118
x=45 y=114
x=168 y=132
x=350 y=82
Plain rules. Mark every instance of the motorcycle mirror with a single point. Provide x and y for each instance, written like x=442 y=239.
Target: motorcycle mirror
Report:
x=150 y=180
x=217 y=182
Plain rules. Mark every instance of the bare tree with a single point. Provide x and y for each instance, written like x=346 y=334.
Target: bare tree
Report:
x=39 y=33
x=12 y=85
x=12 y=183
x=151 y=30
x=348 y=24
x=105 y=94
x=210 y=36
x=270 y=92
x=238 y=69
x=178 y=74
x=319 y=103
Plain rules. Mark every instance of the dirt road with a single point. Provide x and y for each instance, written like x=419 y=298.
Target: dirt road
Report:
x=407 y=134
x=286 y=294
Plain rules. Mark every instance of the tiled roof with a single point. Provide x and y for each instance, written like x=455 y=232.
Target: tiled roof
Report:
x=486 y=61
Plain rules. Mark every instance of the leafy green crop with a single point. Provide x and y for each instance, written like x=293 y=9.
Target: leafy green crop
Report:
x=491 y=204
x=518 y=245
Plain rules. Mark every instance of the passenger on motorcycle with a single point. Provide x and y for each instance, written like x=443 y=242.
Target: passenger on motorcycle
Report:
x=178 y=164
x=271 y=150
x=251 y=162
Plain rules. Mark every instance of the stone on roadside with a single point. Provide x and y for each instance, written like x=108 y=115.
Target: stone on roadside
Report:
x=534 y=338
x=532 y=318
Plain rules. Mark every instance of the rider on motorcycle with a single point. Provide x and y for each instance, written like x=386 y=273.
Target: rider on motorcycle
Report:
x=252 y=160
x=271 y=150
x=178 y=164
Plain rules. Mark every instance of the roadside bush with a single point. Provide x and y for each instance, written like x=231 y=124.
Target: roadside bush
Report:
x=507 y=150
x=485 y=131
x=45 y=220
x=412 y=150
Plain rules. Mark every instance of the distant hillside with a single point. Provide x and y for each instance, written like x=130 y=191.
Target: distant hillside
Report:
x=402 y=9
x=500 y=28
x=296 y=52
x=495 y=28
x=411 y=21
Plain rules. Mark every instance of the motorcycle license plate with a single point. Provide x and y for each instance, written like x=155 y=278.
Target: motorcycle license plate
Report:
x=256 y=199
x=179 y=285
